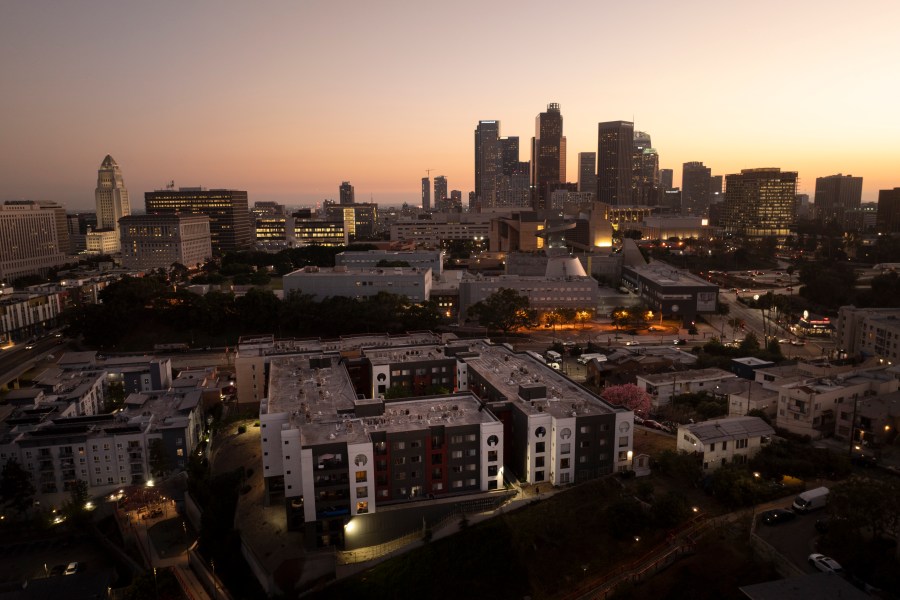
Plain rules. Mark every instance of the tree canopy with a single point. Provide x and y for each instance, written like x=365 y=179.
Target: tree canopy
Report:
x=505 y=310
x=628 y=395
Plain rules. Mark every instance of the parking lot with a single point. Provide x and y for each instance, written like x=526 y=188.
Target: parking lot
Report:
x=34 y=559
x=795 y=539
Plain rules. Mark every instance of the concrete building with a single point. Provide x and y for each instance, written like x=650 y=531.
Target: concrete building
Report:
x=322 y=282
x=228 y=212
x=543 y=293
x=810 y=407
x=719 y=442
x=869 y=332
x=426 y=194
x=871 y=423
x=443 y=227
x=658 y=227
x=360 y=220
x=29 y=240
x=440 y=193
x=159 y=241
x=307 y=231
x=759 y=202
x=369 y=259
x=663 y=386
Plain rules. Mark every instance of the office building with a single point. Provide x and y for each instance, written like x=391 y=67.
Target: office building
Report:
x=25 y=314
x=888 y=217
x=440 y=193
x=695 y=187
x=159 y=241
x=615 y=147
x=645 y=180
x=759 y=202
x=572 y=289
x=455 y=200
x=426 y=194
x=587 y=172
x=442 y=228
x=269 y=225
x=347 y=195
x=29 y=241
x=229 y=224
x=488 y=162
x=666 y=178
x=303 y=230
x=509 y=154
x=837 y=196
x=548 y=154
x=112 y=201
x=360 y=220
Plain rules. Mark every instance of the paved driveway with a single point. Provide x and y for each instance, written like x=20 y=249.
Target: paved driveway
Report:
x=795 y=540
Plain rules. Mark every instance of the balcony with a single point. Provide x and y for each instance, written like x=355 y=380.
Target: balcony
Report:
x=801 y=409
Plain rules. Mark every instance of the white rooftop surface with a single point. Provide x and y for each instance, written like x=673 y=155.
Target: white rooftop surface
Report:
x=321 y=403
x=507 y=370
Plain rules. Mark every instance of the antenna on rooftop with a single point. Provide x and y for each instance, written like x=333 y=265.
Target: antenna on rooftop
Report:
x=170 y=185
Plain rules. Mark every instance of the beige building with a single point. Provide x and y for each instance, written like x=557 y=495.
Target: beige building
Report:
x=158 y=241
x=869 y=332
x=29 y=240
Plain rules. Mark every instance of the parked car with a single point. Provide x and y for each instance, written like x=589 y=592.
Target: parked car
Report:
x=798 y=343
x=57 y=570
x=825 y=564
x=632 y=343
x=71 y=569
x=777 y=516
x=679 y=342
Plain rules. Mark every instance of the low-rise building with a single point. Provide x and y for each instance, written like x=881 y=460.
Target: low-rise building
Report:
x=671 y=292
x=869 y=332
x=371 y=259
x=663 y=386
x=443 y=227
x=322 y=282
x=810 y=407
x=723 y=441
x=543 y=293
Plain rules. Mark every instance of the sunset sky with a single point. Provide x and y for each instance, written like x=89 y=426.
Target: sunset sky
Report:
x=287 y=99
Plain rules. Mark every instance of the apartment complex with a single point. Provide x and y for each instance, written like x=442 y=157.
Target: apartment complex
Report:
x=869 y=332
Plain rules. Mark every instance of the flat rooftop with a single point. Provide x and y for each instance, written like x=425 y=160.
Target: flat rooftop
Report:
x=267 y=345
x=401 y=354
x=322 y=404
x=692 y=375
x=666 y=275
x=507 y=371
x=718 y=430
x=163 y=408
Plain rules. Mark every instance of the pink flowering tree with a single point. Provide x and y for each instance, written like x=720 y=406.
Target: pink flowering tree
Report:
x=628 y=395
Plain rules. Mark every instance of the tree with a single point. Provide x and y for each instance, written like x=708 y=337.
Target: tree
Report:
x=628 y=395
x=505 y=309
x=16 y=488
x=868 y=505
x=159 y=458
x=750 y=343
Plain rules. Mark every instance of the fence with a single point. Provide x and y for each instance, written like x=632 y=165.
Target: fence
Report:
x=348 y=557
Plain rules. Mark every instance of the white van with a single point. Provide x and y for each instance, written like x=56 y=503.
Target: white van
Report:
x=553 y=356
x=811 y=500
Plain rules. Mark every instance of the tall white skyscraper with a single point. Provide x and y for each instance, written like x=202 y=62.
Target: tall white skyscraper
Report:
x=111 y=195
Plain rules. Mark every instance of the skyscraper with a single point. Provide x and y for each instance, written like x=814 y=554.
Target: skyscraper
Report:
x=229 y=223
x=587 y=172
x=440 y=193
x=111 y=197
x=695 y=186
x=29 y=241
x=666 y=179
x=509 y=154
x=615 y=144
x=836 y=196
x=488 y=162
x=426 y=194
x=548 y=154
x=645 y=171
x=759 y=202
x=888 y=217
x=347 y=194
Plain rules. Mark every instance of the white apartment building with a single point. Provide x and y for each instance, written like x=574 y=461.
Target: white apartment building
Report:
x=443 y=226
x=24 y=314
x=723 y=441
x=29 y=240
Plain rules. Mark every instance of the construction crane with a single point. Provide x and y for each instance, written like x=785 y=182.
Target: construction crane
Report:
x=428 y=173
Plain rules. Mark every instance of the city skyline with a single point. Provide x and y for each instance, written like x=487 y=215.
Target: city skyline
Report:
x=287 y=114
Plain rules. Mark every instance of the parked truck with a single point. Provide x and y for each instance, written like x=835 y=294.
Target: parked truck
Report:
x=811 y=500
